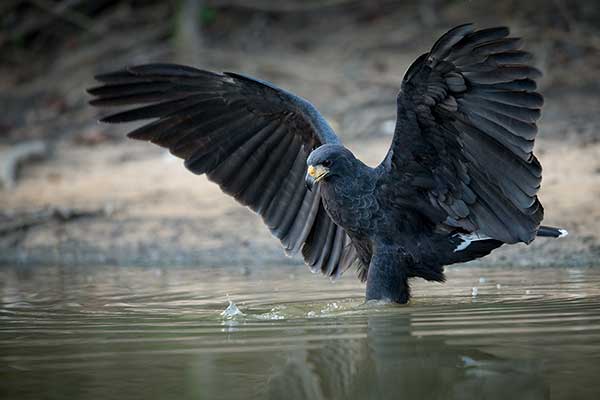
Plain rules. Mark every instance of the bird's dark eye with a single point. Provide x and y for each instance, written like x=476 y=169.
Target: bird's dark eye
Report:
x=326 y=163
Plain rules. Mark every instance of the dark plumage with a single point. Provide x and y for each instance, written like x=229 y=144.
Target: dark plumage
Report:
x=459 y=180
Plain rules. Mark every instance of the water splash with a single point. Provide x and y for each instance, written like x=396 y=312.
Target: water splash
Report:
x=277 y=313
x=232 y=311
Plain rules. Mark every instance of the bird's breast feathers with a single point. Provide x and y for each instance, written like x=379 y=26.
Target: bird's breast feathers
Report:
x=353 y=210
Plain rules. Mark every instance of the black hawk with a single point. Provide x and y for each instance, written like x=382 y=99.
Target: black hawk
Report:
x=458 y=181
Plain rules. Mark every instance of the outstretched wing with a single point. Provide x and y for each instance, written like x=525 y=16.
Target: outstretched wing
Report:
x=464 y=137
x=248 y=136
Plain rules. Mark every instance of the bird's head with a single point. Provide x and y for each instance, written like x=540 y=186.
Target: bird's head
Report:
x=327 y=162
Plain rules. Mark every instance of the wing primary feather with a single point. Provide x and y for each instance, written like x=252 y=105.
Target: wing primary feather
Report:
x=527 y=85
x=238 y=169
x=517 y=99
x=171 y=70
x=152 y=111
x=443 y=45
x=275 y=211
x=523 y=114
x=138 y=98
x=517 y=121
x=518 y=145
x=466 y=45
x=513 y=57
x=272 y=153
x=271 y=192
x=193 y=134
x=181 y=119
x=498 y=46
x=503 y=74
x=211 y=150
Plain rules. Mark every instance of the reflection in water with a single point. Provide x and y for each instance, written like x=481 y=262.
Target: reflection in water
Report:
x=160 y=333
x=390 y=363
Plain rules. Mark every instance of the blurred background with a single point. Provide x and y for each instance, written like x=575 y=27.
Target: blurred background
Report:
x=73 y=191
x=117 y=265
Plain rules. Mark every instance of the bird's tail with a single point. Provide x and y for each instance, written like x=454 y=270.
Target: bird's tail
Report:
x=549 y=231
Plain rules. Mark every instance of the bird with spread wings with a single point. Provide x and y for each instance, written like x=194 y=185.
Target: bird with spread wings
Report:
x=459 y=180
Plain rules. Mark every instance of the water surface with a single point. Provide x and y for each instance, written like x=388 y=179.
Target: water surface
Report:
x=120 y=333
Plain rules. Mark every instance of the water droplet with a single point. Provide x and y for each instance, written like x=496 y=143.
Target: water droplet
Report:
x=469 y=362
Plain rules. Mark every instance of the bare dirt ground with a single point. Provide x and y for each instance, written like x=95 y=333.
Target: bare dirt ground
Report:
x=99 y=199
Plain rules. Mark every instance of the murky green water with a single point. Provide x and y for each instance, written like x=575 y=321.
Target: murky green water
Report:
x=121 y=333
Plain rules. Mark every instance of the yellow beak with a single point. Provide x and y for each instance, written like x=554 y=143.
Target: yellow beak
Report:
x=317 y=172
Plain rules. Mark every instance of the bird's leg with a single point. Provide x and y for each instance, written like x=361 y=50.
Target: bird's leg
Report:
x=387 y=278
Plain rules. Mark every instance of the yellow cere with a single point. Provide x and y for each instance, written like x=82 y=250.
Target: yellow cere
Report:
x=312 y=171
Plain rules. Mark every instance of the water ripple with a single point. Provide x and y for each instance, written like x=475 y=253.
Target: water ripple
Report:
x=142 y=330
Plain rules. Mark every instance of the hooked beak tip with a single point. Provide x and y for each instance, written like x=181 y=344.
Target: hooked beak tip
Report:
x=309 y=182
